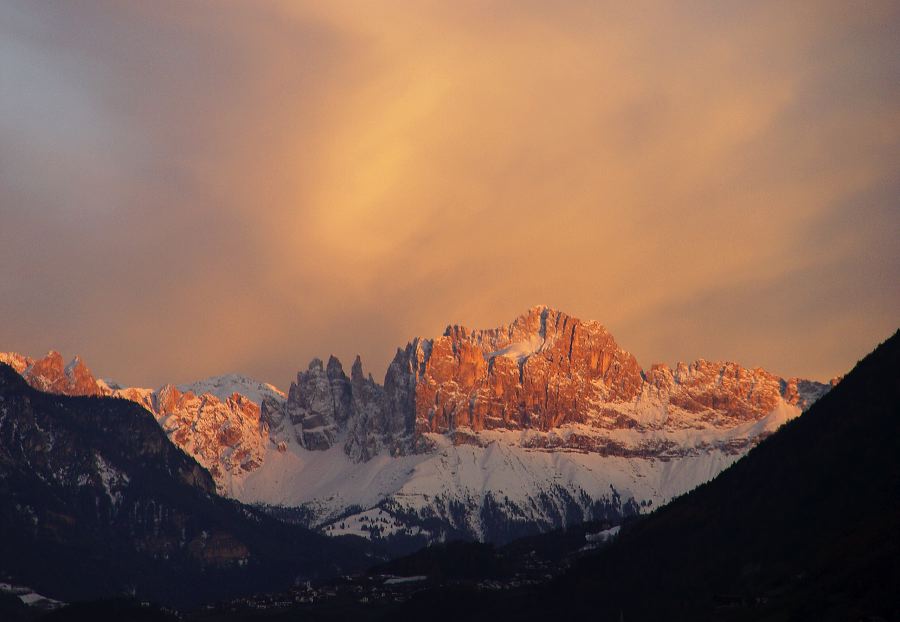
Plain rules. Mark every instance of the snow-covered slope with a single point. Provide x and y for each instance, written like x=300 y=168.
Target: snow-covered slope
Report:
x=31 y=598
x=503 y=483
x=496 y=492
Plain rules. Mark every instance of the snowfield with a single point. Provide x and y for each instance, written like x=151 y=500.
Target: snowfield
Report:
x=466 y=489
x=224 y=386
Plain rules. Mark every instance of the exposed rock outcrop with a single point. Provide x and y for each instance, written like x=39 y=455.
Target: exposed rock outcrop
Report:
x=542 y=371
x=53 y=375
x=227 y=437
x=547 y=370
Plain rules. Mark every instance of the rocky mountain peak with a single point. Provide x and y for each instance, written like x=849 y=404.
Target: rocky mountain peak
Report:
x=541 y=370
x=51 y=366
x=356 y=372
x=530 y=326
x=167 y=399
x=224 y=386
x=317 y=405
x=17 y=361
x=81 y=377
x=53 y=375
x=335 y=370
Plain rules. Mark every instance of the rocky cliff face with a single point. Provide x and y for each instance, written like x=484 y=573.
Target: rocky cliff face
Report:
x=544 y=370
x=52 y=375
x=324 y=408
x=547 y=370
x=319 y=404
x=225 y=436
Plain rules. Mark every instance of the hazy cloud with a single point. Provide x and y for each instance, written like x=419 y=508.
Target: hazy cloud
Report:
x=188 y=189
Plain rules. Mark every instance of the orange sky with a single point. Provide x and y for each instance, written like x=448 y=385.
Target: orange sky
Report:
x=198 y=188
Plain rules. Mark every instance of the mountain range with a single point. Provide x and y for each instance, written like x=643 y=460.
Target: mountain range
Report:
x=476 y=434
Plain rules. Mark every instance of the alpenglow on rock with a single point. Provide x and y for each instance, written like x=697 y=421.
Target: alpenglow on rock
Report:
x=544 y=372
x=52 y=375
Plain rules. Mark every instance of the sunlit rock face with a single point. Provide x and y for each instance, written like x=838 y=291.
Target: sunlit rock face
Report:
x=544 y=370
x=565 y=384
x=53 y=375
x=547 y=370
x=225 y=436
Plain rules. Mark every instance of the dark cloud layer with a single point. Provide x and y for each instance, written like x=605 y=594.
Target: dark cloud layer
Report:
x=189 y=189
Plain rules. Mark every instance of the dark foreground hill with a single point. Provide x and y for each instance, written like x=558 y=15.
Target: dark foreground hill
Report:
x=97 y=502
x=806 y=527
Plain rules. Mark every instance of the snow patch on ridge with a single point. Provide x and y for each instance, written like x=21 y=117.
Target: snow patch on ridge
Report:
x=113 y=479
x=224 y=386
x=521 y=350
x=329 y=479
x=30 y=597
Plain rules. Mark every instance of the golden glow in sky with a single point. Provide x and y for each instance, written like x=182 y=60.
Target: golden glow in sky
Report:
x=189 y=189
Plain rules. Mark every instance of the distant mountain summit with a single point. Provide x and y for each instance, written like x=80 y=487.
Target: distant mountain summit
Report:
x=53 y=375
x=490 y=434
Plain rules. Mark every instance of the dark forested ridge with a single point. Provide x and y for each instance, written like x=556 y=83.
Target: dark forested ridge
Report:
x=97 y=502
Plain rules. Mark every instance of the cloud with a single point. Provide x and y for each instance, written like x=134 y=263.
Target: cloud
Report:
x=188 y=191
